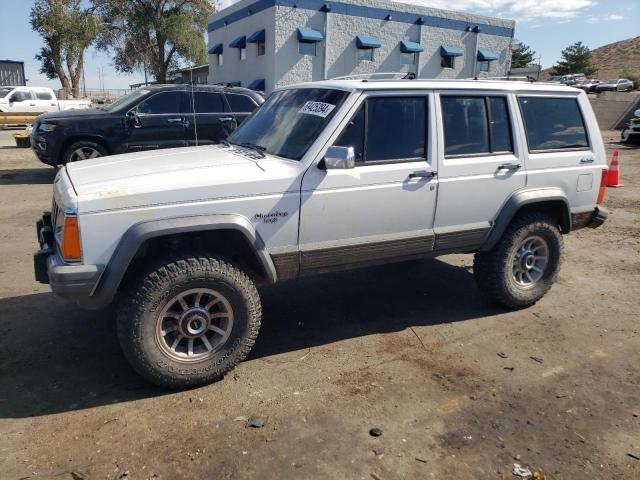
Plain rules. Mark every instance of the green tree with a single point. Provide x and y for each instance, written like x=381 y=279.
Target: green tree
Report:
x=575 y=59
x=154 y=34
x=67 y=29
x=522 y=56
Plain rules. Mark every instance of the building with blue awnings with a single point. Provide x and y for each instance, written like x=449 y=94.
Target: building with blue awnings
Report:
x=265 y=44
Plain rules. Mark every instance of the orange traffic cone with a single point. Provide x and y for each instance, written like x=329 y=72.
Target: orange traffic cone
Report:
x=613 y=175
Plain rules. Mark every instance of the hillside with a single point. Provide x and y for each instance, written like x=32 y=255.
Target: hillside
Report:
x=613 y=58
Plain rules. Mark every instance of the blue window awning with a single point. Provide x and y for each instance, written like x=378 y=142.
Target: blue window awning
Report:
x=486 y=56
x=256 y=37
x=216 y=50
x=240 y=42
x=367 y=42
x=410 y=47
x=309 y=35
x=257 y=85
x=446 y=51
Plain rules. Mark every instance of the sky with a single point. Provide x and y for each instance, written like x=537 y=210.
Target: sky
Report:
x=547 y=26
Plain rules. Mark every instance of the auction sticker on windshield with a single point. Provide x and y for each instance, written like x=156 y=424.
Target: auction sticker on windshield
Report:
x=319 y=109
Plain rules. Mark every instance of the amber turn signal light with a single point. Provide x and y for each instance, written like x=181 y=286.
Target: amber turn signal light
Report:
x=603 y=187
x=70 y=247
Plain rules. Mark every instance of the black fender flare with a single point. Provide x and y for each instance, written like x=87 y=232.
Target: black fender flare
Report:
x=137 y=234
x=518 y=200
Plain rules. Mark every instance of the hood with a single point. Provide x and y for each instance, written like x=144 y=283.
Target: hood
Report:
x=72 y=114
x=177 y=175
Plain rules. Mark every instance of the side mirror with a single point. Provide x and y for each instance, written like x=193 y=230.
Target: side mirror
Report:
x=338 y=158
x=133 y=119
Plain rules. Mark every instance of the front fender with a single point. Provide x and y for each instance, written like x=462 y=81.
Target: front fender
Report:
x=139 y=233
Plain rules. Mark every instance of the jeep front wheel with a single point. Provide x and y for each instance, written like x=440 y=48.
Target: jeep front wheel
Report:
x=524 y=264
x=188 y=321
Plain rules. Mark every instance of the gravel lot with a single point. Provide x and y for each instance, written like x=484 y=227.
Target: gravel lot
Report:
x=410 y=348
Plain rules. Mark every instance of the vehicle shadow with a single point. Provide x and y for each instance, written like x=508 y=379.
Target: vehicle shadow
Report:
x=55 y=357
x=27 y=176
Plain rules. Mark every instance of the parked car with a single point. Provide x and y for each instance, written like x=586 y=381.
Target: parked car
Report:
x=36 y=99
x=324 y=176
x=631 y=133
x=619 y=85
x=159 y=116
x=572 y=79
x=589 y=85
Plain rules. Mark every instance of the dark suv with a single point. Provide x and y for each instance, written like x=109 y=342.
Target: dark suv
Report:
x=159 y=116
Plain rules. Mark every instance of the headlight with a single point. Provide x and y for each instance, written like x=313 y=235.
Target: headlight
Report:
x=47 y=127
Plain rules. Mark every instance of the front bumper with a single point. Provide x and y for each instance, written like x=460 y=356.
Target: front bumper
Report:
x=589 y=219
x=72 y=281
x=46 y=148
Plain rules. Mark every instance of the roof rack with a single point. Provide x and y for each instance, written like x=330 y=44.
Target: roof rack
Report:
x=507 y=79
x=366 y=76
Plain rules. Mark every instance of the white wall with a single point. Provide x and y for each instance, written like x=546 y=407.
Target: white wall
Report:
x=283 y=65
x=253 y=67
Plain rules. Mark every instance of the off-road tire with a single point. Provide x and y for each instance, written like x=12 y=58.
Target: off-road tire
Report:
x=150 y=292
x=68 y=153
x=494 y=271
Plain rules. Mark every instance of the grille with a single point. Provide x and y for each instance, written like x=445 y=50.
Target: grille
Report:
x=55 y=210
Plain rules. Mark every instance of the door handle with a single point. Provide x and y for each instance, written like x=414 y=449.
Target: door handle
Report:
x=32 y=104
x=587 y=160
x=227 y=119
x=510 y=166
x=174 y=120
x=422 y=174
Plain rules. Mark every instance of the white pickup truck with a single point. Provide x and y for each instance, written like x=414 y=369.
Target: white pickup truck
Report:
x=36 y=99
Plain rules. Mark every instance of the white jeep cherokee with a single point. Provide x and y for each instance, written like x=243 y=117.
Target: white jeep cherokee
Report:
x=323 y=176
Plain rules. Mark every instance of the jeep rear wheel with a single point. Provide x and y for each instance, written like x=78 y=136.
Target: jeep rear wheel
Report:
x=524 y=264
x=188 y=321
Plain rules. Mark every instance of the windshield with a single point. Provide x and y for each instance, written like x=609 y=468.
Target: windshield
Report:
x=289 y=121
x=127 y=99
x=4 y=91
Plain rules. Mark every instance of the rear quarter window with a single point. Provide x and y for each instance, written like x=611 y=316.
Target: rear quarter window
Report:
x=553 y=124
x=43 y=95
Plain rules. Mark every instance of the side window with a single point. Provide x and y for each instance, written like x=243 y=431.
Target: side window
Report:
x=240 y=103
x=388 y=128
x=475 y=125
x=207 y=102
x=43 y=95
x=466 y=131
x=353 y=134
x=396 y=128
x=307 y=48
x=163 y=103
x=501 y=138
x=553 y=123
x=448 y=62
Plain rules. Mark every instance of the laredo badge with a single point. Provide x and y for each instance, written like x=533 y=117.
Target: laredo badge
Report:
x=319 y=109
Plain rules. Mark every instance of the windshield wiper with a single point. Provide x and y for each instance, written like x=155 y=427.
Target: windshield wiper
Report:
x=259 y=149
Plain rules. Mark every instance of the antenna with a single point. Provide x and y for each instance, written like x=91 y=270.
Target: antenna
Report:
x=193 y=103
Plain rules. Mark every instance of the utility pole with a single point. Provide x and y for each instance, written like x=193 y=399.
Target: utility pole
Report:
x=84 y=82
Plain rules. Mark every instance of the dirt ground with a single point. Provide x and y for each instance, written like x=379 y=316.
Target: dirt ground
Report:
x=410 y=348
